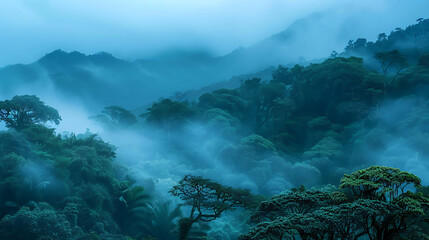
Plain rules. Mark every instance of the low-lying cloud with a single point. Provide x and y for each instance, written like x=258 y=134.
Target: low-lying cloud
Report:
x=135 y=29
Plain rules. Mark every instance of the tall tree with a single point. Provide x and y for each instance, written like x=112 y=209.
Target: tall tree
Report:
x=115 y=116
x=374 y=203
x=391 y=209
x=168 y=115
x=25 y=110
x=208 y=200
x=392 y=60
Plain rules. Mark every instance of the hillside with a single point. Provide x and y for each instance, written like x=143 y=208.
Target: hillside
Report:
x=332 y=149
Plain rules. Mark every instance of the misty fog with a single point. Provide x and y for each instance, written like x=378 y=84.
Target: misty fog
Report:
x=277 y=97
x=146 y=28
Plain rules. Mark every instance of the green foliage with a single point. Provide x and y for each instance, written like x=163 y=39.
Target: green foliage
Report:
x=74 y=174
x=41 y=223
x=169 y=115
x=135 y=212
x=282 y=74
x=227 y=100
x=165 y=221
x=383 y=183
x=374 y=87
x=391 y=59
x=168 y=112
x=328 y=147
x=286 y=75
x=12 y=142
x=424 y=60
x=26 y=110
x=425 y=225
x=220 y=120
x=336 y=80
x=412 y=40
x=208 y=200
x=298 y=201
x=374 y=205
x=413 y=80
x=258 y=142
x=114 y=116
x=315 y=119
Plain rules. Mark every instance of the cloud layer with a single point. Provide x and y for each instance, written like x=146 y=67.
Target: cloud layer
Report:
x=141 y=28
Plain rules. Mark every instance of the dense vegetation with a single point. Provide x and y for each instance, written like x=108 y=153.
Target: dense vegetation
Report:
x=311 y=125
x=371 y=204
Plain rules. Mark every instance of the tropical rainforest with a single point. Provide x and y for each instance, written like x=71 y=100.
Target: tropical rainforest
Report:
x=330 y=149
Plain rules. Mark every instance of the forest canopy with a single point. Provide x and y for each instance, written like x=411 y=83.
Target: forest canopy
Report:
x=330 y=149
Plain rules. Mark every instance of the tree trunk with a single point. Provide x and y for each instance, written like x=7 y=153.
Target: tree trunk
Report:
x=185 y=225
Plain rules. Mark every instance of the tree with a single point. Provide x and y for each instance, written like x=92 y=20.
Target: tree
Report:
x=360 y=43
x=168 y=114
x=381 y=37
x=373 y=203
x=282 y=74
x=298 y=201
x=208 y=200
x=261 y=98
x=380 y=183
x=349 y=46
x=391 y=60
x=227 y=100
x=135 y=211
x=322 y=86
x=269 y=96
x=390 y=209
x=114 y=115
x=357 y=45
x=425 y=225
x=25 y=110
x=287 y=216
x=424 y=60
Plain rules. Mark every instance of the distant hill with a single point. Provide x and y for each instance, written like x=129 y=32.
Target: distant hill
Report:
x=412 y=41
x=234 y=82
x=94 y=79
x=100 y=79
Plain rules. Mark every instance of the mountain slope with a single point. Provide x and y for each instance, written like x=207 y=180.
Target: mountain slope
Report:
x=101 y=79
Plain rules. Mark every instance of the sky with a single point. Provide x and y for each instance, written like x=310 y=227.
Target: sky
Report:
x=133 y=29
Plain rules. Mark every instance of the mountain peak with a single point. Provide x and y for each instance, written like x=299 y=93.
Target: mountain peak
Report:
x=61 y=57
x=102 y=53
x=103 y=58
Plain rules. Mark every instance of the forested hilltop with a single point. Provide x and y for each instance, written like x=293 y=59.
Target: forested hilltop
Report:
x=331 y=150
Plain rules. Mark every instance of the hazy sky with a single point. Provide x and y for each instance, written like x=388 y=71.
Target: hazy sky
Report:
x=138 y=28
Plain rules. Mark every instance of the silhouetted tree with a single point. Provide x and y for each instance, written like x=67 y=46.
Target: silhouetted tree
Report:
x=168 y=114
x=374 y=204
x=382 y=37
x=424 y=60
x=391 y=60
x=116 y=116
x=360 y=43
x=207 y=199
x=26 y=110
x=390 y=209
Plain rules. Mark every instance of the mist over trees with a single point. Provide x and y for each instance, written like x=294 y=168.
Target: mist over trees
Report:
x=333 y=149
